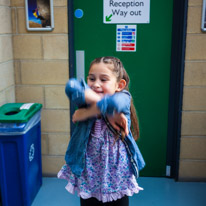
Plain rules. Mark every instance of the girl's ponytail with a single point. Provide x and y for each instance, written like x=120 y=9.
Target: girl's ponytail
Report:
x=134 y=122
x=133 y=115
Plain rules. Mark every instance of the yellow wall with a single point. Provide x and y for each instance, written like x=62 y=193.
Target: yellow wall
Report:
x=193 y=134
x=7 y=88
x=41 y=71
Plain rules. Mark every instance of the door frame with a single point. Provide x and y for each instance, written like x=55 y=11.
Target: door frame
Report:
x=180 y=9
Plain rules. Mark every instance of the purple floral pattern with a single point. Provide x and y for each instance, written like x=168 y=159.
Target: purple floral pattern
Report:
x=108 y=174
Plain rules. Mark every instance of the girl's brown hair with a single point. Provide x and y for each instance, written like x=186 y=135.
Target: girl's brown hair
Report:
x=119 y=71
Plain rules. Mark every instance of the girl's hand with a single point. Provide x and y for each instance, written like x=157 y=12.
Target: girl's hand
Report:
x=85 y=113
x=79 y=115
x=119 y=121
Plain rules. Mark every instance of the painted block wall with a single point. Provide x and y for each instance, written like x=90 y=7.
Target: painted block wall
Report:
x=7 y=87
x=193 y=135
x=41 y=71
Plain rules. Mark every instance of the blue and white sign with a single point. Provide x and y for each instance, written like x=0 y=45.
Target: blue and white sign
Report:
x=126 y=11
x=126 y=38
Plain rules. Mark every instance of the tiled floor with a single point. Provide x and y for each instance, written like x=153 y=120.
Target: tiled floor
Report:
x=157 y=192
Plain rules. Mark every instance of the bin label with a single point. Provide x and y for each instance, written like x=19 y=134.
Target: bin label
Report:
x=31 y=152
x=126 y=11
x=26 y=106
x=126 y=38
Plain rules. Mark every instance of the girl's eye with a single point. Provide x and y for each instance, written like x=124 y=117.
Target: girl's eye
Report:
x=104 y=80
x=91 y=79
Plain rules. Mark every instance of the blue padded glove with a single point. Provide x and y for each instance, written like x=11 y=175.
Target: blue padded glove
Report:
x=75 y=91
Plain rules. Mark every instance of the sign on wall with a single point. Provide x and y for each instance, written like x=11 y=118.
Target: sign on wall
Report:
x=39 y=15
x=126 y=11
x=126 y=38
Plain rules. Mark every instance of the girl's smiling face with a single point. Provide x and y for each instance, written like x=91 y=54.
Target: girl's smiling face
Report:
x=102 y=80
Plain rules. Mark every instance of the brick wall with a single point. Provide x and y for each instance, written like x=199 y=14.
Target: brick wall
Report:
x=7 y=88
x=41 y=71
x=193 y=134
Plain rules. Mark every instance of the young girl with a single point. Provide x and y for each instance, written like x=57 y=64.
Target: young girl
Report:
x=100 y=166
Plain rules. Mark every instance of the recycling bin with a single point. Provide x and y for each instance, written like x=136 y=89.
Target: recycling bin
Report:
x=20 y=153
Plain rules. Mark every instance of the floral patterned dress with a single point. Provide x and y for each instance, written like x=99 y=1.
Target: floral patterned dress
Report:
x=108 y=173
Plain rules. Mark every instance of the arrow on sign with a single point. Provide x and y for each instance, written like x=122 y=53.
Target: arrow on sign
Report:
x=108 y=18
